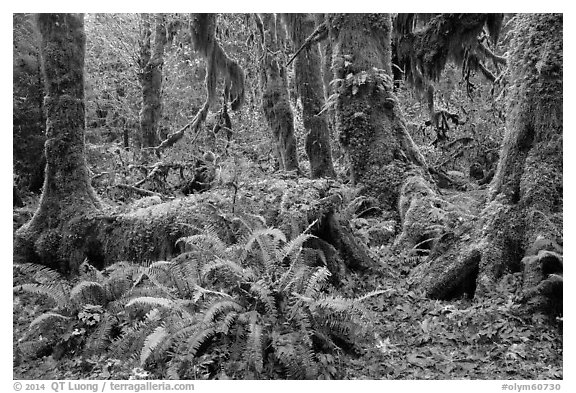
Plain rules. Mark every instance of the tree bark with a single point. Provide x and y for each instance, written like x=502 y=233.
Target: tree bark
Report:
x=67 y=192
x=275 y=99
x=527 y=190
x=151 y=62
x=309 y=87
x=523 y=217
x=369 y=122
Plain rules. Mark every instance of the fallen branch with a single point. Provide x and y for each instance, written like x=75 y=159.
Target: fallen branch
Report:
x=139 y=191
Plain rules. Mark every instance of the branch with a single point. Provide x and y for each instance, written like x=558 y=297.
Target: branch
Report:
x=139 y=191
x=176 y=136
x=317 y=35
x=487 y=52
x=486 y=72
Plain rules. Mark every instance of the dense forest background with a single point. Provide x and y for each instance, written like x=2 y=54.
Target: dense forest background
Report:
x=303 y=196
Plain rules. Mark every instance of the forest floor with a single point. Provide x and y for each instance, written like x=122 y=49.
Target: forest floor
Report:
x=407 y=337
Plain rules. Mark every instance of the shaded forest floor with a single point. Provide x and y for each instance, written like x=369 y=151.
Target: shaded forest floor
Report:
x=406 y=336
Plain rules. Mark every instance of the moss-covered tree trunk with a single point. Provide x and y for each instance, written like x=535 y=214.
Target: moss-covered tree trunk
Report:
x=527 y=190
x=310 y=89
x=522 y=223
x=275 y=99
x=67 y=192
x=369 y=122
x=151 y=61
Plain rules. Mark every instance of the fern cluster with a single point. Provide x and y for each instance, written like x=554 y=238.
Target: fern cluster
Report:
x=254 y=309
x=84 y=312
x=258 y=308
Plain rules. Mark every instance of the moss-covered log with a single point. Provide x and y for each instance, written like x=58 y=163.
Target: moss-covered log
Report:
x=369 y=122
x=275 y=99
x=309 y=87
x=524 y=209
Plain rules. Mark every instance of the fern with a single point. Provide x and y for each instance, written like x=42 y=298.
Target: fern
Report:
x=293 y=248
x=268 y=240
x=231 y=266
x=101 y=338
x=227 y=322
x=56 y=292
x=40 y=273
x=196 y=341
x=220 y=307
x=88 y=292
x=316 y=282
x=265 y=295
x=207 y=241
x=152 y=341
x=43 y=318
x=254 y=347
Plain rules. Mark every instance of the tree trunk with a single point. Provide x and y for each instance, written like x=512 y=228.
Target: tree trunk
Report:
x=369 y=122
x=151 y=62
x=523 y=218
x=310 y=89
x=67 y=192
x=275 y=99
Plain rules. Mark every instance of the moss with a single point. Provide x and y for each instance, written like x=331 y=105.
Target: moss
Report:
x=275 y=99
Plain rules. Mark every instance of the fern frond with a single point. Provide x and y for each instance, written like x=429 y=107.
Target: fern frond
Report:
x=220 y=307
x=298 y=280
x=196 y=341
x=199 y=292
x=293 y=248
x=287 y=279
x=56 y=292
x=371 y=294
x=334 y=303
x=227 y=322
x=317 y=282
x=268 y=240
x=173 y=370
x=231 y=266
x=208 y=241
x=254 y=344
x=185 y=272
x=40 y=273
x=101 y=338
x=265 y=295
x=131 y=339
x=88 y=292
x=152 y=341
x=153 y=302
x=45 y=317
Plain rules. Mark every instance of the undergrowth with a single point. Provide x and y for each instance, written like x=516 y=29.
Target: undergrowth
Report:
x=255 y=309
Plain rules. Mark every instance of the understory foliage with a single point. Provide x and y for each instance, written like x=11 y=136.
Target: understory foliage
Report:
x=257 y=308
